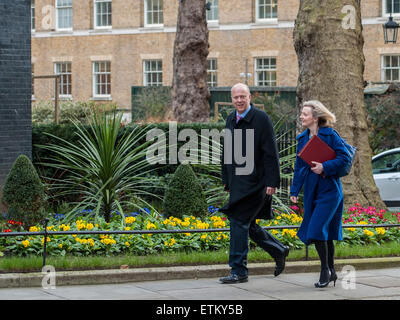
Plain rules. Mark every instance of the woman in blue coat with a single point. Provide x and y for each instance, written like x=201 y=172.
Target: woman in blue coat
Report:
x=323 y=194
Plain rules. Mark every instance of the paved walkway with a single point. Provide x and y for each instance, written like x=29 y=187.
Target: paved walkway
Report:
x=373 y=284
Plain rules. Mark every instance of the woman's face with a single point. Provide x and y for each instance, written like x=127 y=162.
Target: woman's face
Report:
x=306 y=117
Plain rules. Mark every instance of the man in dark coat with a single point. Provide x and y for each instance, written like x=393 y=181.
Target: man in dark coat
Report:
x=250 y=172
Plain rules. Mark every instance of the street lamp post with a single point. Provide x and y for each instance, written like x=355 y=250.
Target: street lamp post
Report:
x=390 y=29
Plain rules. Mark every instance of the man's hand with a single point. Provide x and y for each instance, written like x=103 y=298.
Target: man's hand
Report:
x=294 y=199
x=270 y=191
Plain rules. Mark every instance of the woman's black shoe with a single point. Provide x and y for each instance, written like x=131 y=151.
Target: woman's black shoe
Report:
x=324 y=279
x=333 y=277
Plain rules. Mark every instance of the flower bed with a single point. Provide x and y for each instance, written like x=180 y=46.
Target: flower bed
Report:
x=142 y=244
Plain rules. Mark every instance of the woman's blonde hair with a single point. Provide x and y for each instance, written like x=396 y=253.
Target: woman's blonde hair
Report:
x=325 y=117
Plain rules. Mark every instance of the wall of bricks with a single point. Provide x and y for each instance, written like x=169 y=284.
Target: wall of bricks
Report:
x=15 y=83
x=238 y=37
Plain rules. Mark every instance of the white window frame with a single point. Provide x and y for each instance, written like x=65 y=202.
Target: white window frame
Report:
x=95 y=14
x=58 y=8
x=265 y=20
x=106 y=96
x=214 y=7
x=158 y=72
x=212 y=72
x=256 y=72
x=61 y=82
x=384 y=68
x=146 y=22
x=33 y=18
x=385 y=12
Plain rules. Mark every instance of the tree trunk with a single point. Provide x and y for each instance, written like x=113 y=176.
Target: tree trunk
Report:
x=190 y=93
x=331 y=66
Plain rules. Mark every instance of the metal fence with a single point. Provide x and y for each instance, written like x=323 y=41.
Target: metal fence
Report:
x=46 y=233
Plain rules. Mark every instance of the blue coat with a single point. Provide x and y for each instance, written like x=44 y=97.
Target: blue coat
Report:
x=323 y=194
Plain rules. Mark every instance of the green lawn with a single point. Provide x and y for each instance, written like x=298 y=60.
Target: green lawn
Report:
x=34 y=263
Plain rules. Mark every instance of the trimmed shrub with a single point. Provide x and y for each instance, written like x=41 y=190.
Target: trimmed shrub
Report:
x=23 y=193
x=184 y=195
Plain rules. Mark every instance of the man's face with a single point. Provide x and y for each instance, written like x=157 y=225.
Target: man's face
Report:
x=240 y=99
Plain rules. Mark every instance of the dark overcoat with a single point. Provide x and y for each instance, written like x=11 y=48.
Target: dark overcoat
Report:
x=323 y=194
x=247 y=197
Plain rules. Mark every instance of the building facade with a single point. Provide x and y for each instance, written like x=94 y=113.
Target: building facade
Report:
x=101 y=48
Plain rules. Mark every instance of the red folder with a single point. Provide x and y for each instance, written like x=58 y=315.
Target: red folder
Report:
x=316 y=150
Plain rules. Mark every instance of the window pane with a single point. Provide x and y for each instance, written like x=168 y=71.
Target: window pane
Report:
x=102 y=78
x=103 y=13
x=152 y=73
x=396 y=6
x=265 y=71
x=154 y=11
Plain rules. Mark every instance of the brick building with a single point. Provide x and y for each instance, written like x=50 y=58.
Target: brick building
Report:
x=103 y=47
x=15 y=84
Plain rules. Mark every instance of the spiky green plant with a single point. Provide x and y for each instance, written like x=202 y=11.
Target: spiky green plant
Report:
x=106 y=170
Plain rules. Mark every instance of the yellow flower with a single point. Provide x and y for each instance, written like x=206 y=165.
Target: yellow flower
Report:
x=362 y=222
x=185 y=223
x=108 y=241
x=170 y=243
x=127 y=244
x=368 y=233
x=60 y=245
x=130 y=220
x=33 y=229
x=351 y=229
x=47 y=239
x=91 y=242
x=202 y=225
x=25 y=243
x=89 y=226
x=203 y=236
x=380 y=231
x=127 y=228
x=150 y=226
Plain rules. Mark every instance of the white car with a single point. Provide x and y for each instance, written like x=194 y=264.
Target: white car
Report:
x=386 y=171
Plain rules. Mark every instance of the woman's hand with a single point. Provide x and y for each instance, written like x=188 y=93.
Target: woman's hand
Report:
x=294 y=199
x=317 y=168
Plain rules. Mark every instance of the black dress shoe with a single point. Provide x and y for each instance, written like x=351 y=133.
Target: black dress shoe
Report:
x=234 y=278
x=280 y=262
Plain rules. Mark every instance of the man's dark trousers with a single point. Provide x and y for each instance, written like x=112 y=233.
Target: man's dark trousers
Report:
x=240 y=231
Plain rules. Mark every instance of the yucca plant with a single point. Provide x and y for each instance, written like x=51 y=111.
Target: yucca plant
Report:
x=106 y=170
